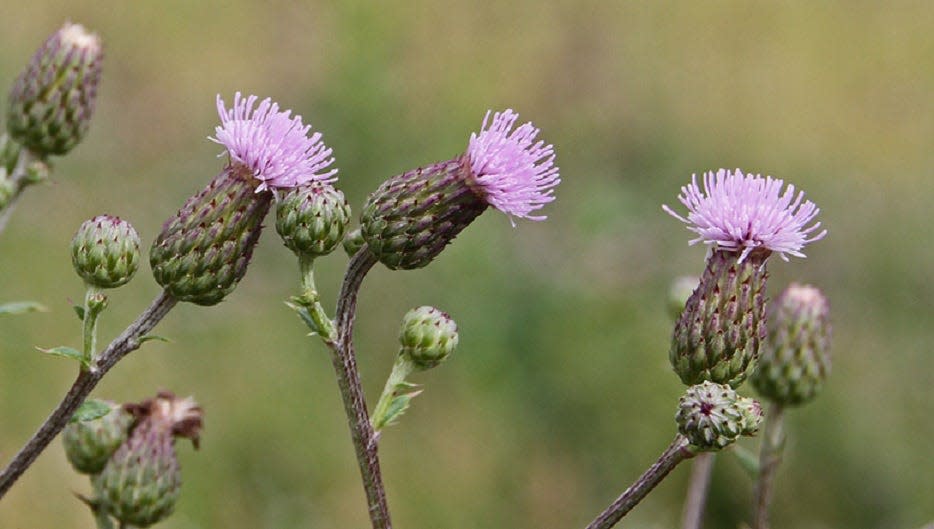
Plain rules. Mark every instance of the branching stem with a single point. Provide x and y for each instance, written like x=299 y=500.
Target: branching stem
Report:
x=770 y=456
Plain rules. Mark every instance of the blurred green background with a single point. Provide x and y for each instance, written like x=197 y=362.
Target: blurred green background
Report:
x=560 y=393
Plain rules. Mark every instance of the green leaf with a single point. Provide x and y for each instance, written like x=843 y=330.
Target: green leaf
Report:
x=66 y=352
x=89 y=410
x=397 y=406
x=79 y=310
x=747 y=460
x=22 y=307
x=151 y=337
x=304 y=315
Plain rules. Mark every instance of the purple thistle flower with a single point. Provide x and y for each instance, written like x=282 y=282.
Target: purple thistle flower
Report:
x=737 y=212
x=273 y=145
x=514 y=173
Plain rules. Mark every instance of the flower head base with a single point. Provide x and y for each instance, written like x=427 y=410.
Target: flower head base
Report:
x=414 y=215
x=742 y=213
x=274 y=145
x=515 y=174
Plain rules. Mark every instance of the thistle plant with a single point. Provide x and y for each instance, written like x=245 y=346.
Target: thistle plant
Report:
x=724 y=330
x=405 y=224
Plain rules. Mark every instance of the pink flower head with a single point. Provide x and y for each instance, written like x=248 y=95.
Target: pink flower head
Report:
x=515 y=174
x=274 y=145
x=744 y=212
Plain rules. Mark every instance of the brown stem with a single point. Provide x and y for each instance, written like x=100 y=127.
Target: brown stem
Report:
x=676 y=452
x=348 y=379
x=696 y=499
x=87 y=379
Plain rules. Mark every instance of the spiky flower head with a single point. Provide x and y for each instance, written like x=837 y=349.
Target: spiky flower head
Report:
x=203 y=251
x=718 y=334
x=105 y=251
x=52 y=100
x=141 y=482
x=712 y=416
x=413 y=216
x=428 y=336
x=795 y=358
x=311 y=219
x=744 y=213
x=89 y=444
x=272 y=144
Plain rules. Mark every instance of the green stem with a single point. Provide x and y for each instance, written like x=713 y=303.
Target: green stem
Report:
x=92 y=310
x=102 y=519
x=770 y=456
x=401 y=369
x=677 y=451
x=18 y=177
x=310 y=300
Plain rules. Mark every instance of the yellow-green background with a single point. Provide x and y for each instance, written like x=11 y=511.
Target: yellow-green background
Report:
x=560 y=393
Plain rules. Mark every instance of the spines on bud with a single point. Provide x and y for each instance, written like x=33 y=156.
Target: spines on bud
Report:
x=105 y=251
x=203 y=251
x=89 y=444
x=428 y=336
x=795 y=358
x=52 y=101
x=712 y=416
x=141 y=482
x=718 y=334
x=311 y=219
x=414 y=215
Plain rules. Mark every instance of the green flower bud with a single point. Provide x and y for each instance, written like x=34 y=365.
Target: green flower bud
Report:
x=428 y=336
x=52 y=100
x=105 y=251
x=413 y=216
x=311 y=219
x=353 y=241
x=718 y=334
x=203 y=251
x=141 y=482
x=89 y=444
x=712 y=416
x=795 y=356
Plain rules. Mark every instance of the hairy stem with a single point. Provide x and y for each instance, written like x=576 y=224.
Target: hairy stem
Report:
x=677 y=451
x=348 y=379
x=770 y=455
x=696 y=500
x=127 y=342
x=89 y=319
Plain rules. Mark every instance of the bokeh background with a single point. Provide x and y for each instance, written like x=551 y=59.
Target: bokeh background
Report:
x=560 y=393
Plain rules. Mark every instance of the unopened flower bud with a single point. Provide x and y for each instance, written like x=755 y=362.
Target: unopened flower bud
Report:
x=718 y=333
x=141 y=482
x=311 y=219
x=795 y=357
x=411 y=217
x=89 y=444
x=712 y=416
x=52 y=101
x=105 y=251
x=428 y=336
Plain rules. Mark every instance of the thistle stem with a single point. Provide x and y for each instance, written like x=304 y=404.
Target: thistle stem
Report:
x=348 y=380
x=401 y=369
x=91 y=312
x=696 y=500
x=770 y=456
x=18 y=177
x=86 y=381
x=677 y=451
x=310 y=299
